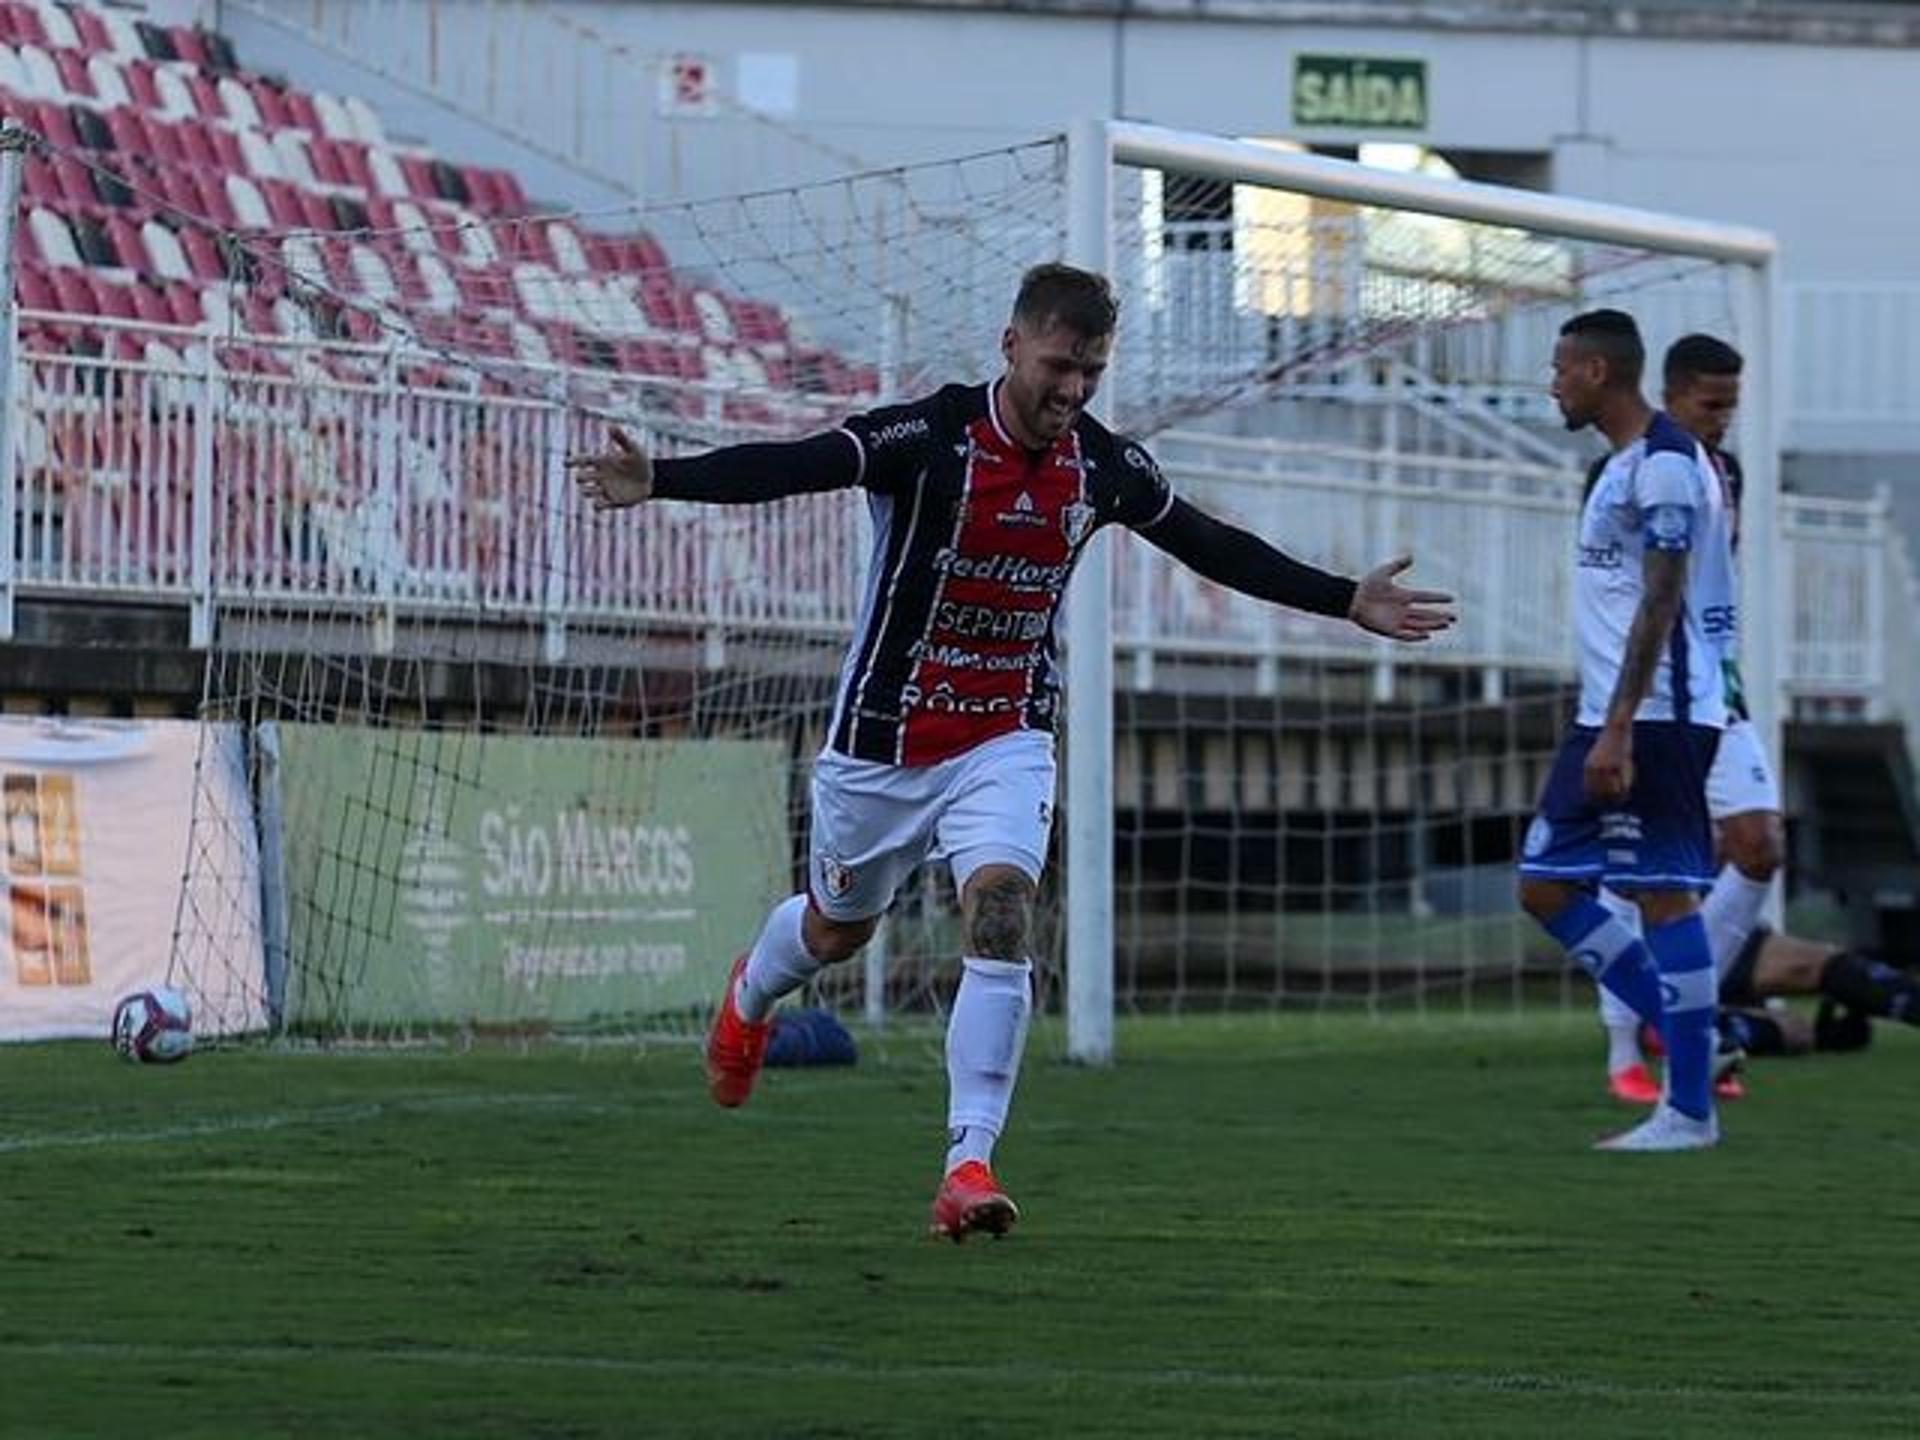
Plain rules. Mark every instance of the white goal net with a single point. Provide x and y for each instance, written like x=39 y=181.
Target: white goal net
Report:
x=516 y=766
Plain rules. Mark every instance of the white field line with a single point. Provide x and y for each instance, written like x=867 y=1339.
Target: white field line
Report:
x=356 y=1114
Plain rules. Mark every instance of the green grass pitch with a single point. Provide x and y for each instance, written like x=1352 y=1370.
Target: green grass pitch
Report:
x=1281 y=1226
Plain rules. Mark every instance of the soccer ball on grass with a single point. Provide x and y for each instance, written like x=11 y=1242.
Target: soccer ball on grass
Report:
x=153 y=1027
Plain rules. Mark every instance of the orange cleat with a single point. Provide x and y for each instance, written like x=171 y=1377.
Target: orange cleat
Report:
x=1730 y=1087
x=735 y=1047
x=1635 y=1085
x=970 y=1200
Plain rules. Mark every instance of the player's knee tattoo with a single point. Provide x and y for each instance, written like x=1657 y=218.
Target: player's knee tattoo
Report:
x=1002 y=909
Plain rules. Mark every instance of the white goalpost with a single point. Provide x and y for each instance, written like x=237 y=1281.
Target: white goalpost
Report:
x=1097 y=231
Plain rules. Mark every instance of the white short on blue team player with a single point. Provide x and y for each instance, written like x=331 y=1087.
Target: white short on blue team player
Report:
x=153 y=1027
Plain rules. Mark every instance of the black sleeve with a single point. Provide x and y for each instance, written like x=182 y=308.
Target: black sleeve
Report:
x=1141 y=495
x=1239 y=560
x=751 y=474
x=894 y=443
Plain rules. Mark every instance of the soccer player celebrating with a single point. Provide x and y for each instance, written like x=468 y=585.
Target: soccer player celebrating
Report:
x=941 y=741
x=1625 y=802
x=1702 y=391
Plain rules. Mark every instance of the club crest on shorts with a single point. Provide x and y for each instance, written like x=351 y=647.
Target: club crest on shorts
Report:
x=1539 y=837
x=835 y=878
x=1075 y=521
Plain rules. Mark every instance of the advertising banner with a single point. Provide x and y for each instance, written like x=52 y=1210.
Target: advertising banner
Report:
x=99 y=817
x=447 y=877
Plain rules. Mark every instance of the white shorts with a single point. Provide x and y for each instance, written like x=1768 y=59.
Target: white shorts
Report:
x=873 y=823
x=1741 y=780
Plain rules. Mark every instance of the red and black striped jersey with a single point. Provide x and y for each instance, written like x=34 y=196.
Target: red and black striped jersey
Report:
x=975 y=537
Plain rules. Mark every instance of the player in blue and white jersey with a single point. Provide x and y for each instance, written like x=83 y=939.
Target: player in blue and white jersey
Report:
x=1701 y=390
x=1625 y=802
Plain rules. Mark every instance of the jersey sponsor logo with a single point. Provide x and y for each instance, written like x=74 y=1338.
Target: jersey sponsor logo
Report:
x=912 y=428
x=959 y=657
x=943 y=699
x=1618 y=825
x=1013 y=571
x=1075 y=521
x=1718 y=620
x=989 y=622
x=1024 y=513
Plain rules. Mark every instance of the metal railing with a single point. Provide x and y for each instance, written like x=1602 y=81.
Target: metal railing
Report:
x=200 y=476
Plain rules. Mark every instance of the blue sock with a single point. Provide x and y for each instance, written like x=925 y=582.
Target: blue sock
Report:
x=1681 y=950
x=1611 y=953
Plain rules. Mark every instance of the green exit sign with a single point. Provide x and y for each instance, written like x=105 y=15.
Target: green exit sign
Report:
x=1359 y=92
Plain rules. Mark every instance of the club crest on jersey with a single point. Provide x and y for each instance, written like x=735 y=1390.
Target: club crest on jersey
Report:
x=835 y=878
x=1539 y=838
x=1075 y=521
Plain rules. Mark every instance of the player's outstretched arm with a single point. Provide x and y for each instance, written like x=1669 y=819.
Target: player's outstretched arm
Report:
x=624 y=474
x=1242 y=561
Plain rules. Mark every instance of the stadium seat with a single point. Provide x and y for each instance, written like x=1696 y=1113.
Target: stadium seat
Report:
x=108 y=84
x=292 y=153
x=71 y=68
x=57 y=25
x=250 y=209
x=174 y=101
x=123 y=36
x=52 y=237
x=334 y=121
x=43 y=76
x=236 y=99
x=259 y=157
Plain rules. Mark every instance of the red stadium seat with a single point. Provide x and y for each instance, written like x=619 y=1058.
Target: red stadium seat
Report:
x=271 y=101
x=127 y=243
x=34 y=288
x=24 y=21
x=139 y=77
x=114 y=300
x=150 y=304
x=72 y=66
x=183 y=303
x=188 y=45
x=94 y=38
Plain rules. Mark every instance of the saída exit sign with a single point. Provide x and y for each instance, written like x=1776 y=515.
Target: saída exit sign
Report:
x=1359 y=92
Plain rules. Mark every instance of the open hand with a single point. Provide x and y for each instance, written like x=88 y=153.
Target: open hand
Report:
x=1381 y=605
x=615 y=478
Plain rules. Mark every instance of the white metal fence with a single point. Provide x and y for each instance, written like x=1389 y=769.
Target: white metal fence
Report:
x=182 y=479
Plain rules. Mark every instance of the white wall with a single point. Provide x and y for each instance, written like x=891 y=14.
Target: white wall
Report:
x=1810 y=141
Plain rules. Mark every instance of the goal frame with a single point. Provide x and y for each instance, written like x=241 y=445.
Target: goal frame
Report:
x=1095 y=149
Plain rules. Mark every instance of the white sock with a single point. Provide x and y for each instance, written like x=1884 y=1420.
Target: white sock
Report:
x=985 y=1035
x=1731 y=910
x=1623 y=1045
x=779 y=964
x=1616 y=1016
x=972 y=1142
